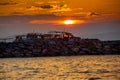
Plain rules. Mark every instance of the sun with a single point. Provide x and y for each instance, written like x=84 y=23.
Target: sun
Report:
x=71 y=22
x=68 y=22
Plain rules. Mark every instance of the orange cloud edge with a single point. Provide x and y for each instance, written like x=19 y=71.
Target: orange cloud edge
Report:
x=56 y=22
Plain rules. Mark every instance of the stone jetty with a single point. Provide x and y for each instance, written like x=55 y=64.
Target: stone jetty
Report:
x=56 y=44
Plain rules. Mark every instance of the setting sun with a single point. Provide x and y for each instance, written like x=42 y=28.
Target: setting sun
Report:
x=69 y=22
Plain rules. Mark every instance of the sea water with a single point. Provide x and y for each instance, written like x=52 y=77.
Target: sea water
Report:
x=61 y=68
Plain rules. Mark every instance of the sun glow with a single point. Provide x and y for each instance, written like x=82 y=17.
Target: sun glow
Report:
x=72 y=22
x=69 y=22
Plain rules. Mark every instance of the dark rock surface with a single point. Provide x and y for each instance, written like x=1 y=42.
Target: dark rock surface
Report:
x=58 y=47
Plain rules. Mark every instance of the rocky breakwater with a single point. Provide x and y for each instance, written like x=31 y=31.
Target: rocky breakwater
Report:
x=58 y=47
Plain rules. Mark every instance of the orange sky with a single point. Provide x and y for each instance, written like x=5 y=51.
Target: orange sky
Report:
x=59 y=7
x=92 y=10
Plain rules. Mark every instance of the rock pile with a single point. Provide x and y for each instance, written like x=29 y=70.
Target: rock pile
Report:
x=58 y=47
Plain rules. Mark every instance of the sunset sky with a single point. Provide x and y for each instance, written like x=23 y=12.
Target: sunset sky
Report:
x=93 y=18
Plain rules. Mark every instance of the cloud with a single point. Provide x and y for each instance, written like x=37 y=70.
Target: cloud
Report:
x=42 y=22
x=46 y=6
x=39 y=2
x=8 y=3
x=49 y=2
x=55 y=2
x=51 y=9
x=2 y=25
x=54 y=22
x=17 y=13
x=37 y=7
x=34 y=8
x=93 y=14
x=86 y=14
x=56 y=7
x=60 y=8
x=82 y=14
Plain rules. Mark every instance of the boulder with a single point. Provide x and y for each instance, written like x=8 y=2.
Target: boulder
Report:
x=76 y=49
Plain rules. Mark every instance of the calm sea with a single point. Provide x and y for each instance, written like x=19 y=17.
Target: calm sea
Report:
x=61 y=68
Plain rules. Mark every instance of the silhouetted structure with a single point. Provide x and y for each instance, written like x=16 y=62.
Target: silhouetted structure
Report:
x=49 y=35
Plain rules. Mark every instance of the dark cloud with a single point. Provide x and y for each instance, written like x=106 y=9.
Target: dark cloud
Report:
x=94 y=14
x=62 y=5
x=46 y=6
x=8 y=3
